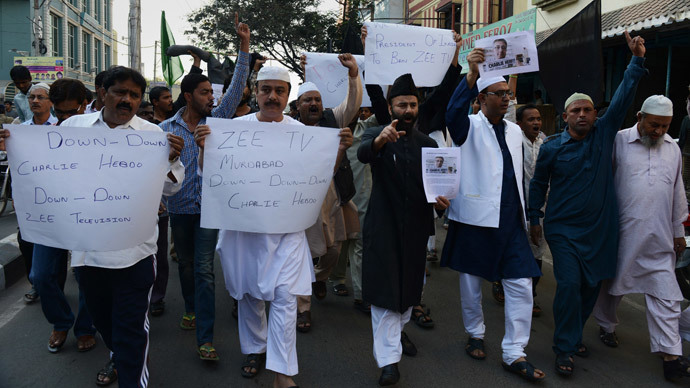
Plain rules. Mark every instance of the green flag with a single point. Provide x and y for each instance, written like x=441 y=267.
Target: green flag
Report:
x=172 y=67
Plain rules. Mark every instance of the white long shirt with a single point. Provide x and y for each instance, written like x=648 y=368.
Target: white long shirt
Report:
x=125 y=257
x=257 y=263
x=652 y=207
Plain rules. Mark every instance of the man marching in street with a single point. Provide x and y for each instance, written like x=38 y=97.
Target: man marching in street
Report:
x=396 y=226
x=652 y=207
x=487 y=221
x=581 y=223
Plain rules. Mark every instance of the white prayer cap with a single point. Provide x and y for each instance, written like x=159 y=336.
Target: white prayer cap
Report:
x=577 y=96
x=657 y=105
x=41 y=85
x=484 y=83
x=273 y=73
x=307 y=87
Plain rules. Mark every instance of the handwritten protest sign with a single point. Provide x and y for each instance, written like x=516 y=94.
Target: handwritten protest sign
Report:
x=524 y=21
x=331 y=77
x=396 y=49
x=508 y=54
x=265 y=177
x=86 y=189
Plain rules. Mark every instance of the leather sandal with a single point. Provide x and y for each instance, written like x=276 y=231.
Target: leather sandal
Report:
x=252 y=361
x=86 y=342
x=475 y=344
x=107 y=375
x=56 y=340
x=304 y=319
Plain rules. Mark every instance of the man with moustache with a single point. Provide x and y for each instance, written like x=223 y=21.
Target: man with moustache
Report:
x=194 y=244
x=487 y=221
x=652 y=207
x=162 y=101
x=581 y=223
x=261 y=267
x=396 y=227
x=117 y=284
x=39 y=103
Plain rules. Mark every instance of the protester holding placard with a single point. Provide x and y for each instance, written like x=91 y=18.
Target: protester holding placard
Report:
x=195 y=244
x=487 y=227
x=260 y=267
x=396 y=227
x=117 y=284
x=337 y=220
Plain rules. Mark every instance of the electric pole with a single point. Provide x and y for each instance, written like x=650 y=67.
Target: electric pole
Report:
x=135 y=34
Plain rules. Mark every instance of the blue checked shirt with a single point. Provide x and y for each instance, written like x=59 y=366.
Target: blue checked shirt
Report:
x=188 y=199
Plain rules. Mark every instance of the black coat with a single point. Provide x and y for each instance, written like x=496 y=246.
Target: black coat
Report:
x=397 y=223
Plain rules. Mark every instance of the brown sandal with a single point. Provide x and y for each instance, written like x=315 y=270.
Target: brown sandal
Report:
x=304 y=319
x=56 y=340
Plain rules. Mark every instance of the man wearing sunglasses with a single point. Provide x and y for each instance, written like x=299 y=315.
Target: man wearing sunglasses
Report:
x=68 y=97
x=487 y=236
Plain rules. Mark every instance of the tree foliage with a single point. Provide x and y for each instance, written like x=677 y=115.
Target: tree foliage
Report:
x=280 y=29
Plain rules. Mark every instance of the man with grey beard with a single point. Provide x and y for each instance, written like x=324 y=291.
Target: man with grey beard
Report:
x=652 y=207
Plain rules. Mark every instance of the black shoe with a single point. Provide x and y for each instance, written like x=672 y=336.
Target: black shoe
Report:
x=157 y=308
x=389 y=375
x=609 y=339
x=408 y=347
x=674 y=370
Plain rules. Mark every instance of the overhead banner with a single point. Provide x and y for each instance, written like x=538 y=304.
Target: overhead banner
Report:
x=87 y=189
x=514 y=53
x=331 y=77
x=396 y=49
x=521 y=22
x=265 y=177
x=43 y=69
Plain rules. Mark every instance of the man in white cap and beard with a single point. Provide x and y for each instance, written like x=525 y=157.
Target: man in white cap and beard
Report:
x=487 y=221
x=651 y=209
x=260 y=267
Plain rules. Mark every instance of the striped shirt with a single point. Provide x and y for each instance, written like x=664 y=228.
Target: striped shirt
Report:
x=188 y=199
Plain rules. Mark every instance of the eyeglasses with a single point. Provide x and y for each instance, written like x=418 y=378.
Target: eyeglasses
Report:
x=39 y=98
x=502 y=93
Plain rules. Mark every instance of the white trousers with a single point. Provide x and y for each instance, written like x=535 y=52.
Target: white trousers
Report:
x=277 y=338
x=684 y=324
x=387 y=326
x=518 y=313
x=663 y=318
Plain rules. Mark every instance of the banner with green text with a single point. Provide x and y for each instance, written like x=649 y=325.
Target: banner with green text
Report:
x=521 y=22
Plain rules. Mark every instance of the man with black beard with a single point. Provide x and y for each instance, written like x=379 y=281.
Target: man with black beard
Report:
x=396 y=227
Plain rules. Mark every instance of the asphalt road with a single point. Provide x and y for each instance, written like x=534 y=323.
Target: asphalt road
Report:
x=338 y=350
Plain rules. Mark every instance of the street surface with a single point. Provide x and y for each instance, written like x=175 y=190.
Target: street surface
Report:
x=338 y=350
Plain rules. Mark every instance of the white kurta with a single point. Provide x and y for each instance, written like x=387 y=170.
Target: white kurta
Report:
x=652 y=206
x=257 y=263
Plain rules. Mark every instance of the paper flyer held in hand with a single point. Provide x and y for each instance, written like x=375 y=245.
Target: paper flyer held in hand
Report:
x=440 y=172
x=508 y=54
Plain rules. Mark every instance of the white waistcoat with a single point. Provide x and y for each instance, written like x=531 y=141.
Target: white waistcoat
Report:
x=481 y=173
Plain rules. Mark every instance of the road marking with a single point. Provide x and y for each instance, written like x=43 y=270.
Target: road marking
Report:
x=11 y=312
x=10 y=239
